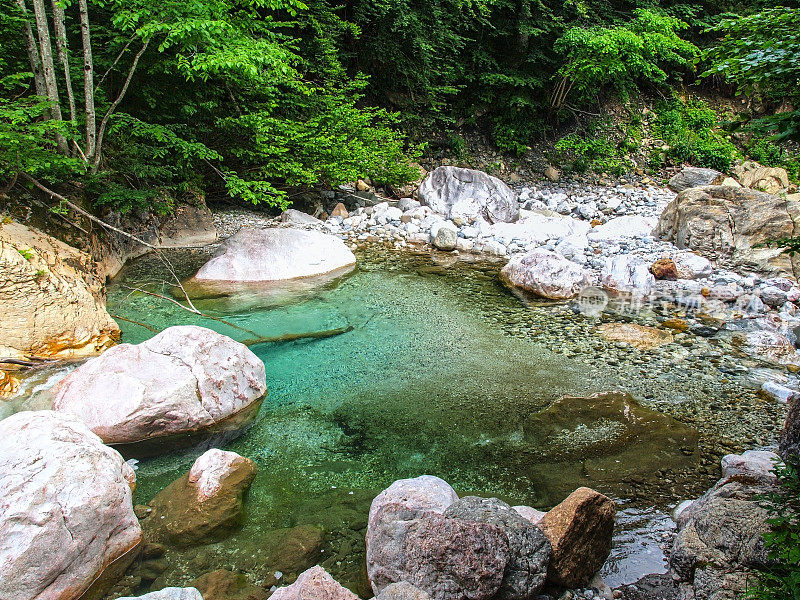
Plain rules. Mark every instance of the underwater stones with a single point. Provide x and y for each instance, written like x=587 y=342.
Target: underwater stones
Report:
x=604 y=437
x=314 y=584
x=529 y=549
x=580 y=531
x=226 y=585
x=545 y=273
x=690 y=177
x=638 y=336
x=450 y=559
x=170 y=593
x=276 y=254
x=771 y=346
x=469 y=194
x=628 y=274
x=51 y=298
x=185 y=380
x=204 y=504
x=67 y=526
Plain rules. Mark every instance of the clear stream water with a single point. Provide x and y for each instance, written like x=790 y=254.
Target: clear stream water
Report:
x=446 y=372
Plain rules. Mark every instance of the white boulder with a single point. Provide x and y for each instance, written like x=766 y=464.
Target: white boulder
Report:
x=183 y=380
x=276 y=254
x=66 y=512
x=546 y=274
x=469 y=194
x=626 y=273
x=692 y=266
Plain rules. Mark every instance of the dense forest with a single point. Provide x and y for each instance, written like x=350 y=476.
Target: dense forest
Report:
x=144 y=102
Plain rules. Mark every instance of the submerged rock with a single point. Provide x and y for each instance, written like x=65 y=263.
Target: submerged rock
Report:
x=603 y=437
x=185 y=380
x=638 y=336
x=314 y=584
x=67 y=526
x=51 y=299
x=529 y=549
x=204 y=504
x=580 y=531
x=276 y=254
x=545 y=274
x=170 y=593
x=726 y=225
x=469 y=194
x=226 y=585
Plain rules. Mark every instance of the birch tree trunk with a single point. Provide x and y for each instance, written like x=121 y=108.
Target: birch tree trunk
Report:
x=63 y=54
x=46 y=52
x=33 y=52
x=88 y=83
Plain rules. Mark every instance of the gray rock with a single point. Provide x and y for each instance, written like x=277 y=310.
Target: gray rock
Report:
x=453 y=192
x=758 y=465
x=545 y=274
x=691 y=177
x=450 y=559
x=722 y=530
x=726 y=225
x=530 y=551
x=444 y=236
x=297 y=217
x=789 y=445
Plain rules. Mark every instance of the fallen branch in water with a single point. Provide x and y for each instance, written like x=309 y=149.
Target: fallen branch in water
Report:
x=29 y=363
x=153 y=329
x=291 y=337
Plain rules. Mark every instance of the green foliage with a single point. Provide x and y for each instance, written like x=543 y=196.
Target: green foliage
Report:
x=27 y=141
x=760 y=54
x=691 y=133
x=646 y=50
x=774 y=154
x=781 y=580
x=597 y=149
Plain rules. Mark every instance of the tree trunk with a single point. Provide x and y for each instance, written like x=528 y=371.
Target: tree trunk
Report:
x=88 y=83
x=63 y=54
x=115 y=104
x=33 y=52
x=46 y=52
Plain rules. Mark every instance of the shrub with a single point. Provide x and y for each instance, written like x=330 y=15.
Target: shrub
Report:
x=691 y=134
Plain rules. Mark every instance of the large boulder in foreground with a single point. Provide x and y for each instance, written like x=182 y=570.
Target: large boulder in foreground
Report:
x=720 y=538
x=545 y=273
x=51 y=298
x=314 y=584
x=184 y=381
x=204 y=504
x=529 y=549
x=469 y=194
x=691 y=177
x=725 y=224
x=410 y=539
x=276 y=254
x=67 y=526
x=580 y=531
